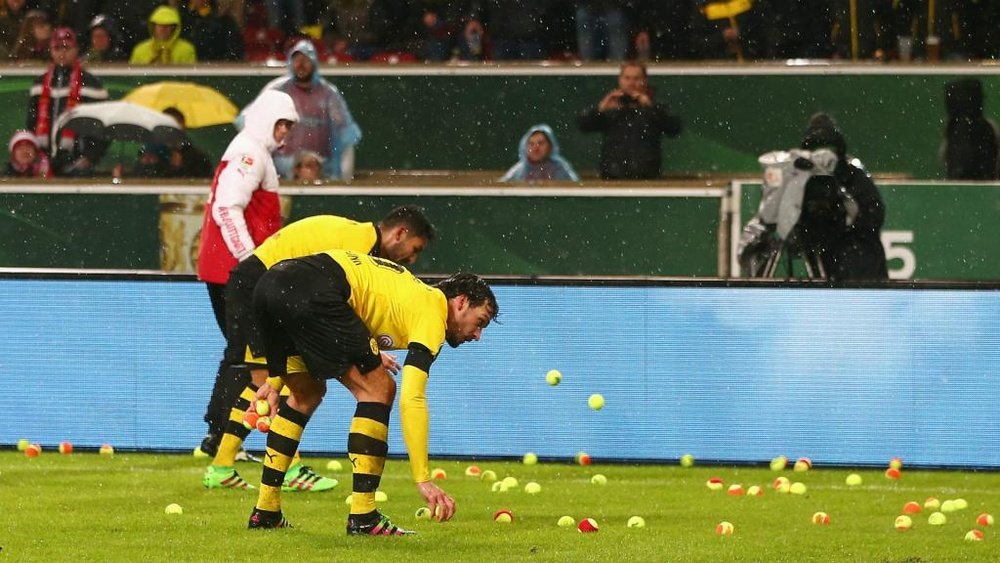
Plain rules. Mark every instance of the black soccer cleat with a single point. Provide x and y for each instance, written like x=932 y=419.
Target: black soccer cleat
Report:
x=267 y=520
x=375 y=525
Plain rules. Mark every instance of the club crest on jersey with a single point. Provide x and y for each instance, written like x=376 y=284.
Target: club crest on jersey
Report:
x=385 y=342
x=247 y=160
x=373 y=345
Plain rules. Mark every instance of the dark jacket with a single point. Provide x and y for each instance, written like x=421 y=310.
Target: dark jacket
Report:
x=194 y=163
x=856 y=252
x=216 y=37
x=631 y=144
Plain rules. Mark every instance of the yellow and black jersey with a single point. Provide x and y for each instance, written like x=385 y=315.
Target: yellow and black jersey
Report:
x=398 y=309
x=313 y=235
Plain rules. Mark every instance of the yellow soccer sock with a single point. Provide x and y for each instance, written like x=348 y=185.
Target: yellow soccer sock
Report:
x=282 y=442
x=367 y=446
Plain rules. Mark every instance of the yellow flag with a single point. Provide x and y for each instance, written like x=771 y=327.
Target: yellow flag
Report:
x=723 y=10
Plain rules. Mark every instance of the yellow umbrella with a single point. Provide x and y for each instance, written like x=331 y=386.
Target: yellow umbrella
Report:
x=202 y=106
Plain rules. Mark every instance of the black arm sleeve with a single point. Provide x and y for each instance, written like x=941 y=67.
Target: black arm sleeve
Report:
x=419 y=356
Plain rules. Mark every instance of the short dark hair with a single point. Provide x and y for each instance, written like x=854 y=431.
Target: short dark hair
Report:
x=176 y=114
x=473 y=287
x=413 y=218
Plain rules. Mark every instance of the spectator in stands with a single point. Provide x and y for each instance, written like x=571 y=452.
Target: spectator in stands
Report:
x=308 y=167
x=133 y=19
x=632 y=124
x=718 y=32
x=106 y=44
x=165 y=45
x=12 y=13
x=26 y=158
x=186 y=160
x=215 y=36
x=34 y=38
x=153 y=161
x=601 y=30
x=435 y=30
x=64 y=85
x=326 y=126
x=539 y=159
x=971 y=141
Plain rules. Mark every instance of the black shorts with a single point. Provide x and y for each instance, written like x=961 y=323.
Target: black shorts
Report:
x=241 y=325
x=301 y=307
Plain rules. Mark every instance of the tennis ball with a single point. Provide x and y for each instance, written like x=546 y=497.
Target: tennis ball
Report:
x=583 y=458
x=553 y=377
x=262 y=407
x=853 y=480
x=893 y=473
x=473 y=471
x=903 y=523
x=23 y=444
x=961 y=504
x=802 y=464
x=797 y=488
x=499 y=487
x=715 y=483
x=932 y=503
x=423 y=513
x=596 y=401
x=636 y=522
x=587 y=526
x=173 y=508
x=532 y=488
x=65 y=448
x=984 y=519
x=724 y=529
x=779 y=463
x=510 y=482
x=381 y=496
x=896 y=463
x=250 y=419
x=755 y=491
x=334 y=465
x=599 y=479
x=937 y=519
x=347 y=500
x=529 y=459
x=735 y=490
x=781 y=484
x=106 y=450
x=488 y=475
x=198 y=453
x=264 y=424
x=948 y=506
x=566 y=522
x=687 y=460
x=439 y=473
x=821 y=518
x=974 y=535
x=503 y=516
x=912 y=507
x=33 y=450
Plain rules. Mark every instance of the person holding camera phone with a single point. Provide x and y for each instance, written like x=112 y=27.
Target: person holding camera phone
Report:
x=632 y=123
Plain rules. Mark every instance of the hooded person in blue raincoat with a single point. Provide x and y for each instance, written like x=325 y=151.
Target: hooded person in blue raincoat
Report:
x=539 y=159
x=325 y=125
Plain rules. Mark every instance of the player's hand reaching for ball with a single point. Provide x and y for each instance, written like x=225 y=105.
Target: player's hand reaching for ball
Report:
x=441 y=505
x=390 y=363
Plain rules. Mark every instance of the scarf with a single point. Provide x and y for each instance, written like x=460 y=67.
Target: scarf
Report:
x=44 y=124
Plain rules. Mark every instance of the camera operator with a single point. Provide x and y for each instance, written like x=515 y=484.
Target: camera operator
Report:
x=632 y=124
x=842 y=214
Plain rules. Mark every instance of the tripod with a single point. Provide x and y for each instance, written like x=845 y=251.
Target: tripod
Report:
x=792 y=248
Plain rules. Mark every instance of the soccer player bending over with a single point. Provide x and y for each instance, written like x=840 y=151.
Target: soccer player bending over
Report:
x=324 y=317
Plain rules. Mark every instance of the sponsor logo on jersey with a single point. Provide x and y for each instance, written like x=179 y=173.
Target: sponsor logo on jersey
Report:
x=385 y=342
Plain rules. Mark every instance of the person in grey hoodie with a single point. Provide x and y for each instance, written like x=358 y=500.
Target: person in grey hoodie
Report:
x=539 y=159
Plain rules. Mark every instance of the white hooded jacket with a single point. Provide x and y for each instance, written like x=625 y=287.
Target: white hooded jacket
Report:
x=243 y=208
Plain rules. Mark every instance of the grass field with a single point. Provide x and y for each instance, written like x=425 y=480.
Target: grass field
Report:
x=84 y=507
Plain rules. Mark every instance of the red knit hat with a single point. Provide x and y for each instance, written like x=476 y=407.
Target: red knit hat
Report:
x=63 y=36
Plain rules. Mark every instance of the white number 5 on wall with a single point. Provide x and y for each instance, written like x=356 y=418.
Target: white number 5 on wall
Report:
x=894 y=243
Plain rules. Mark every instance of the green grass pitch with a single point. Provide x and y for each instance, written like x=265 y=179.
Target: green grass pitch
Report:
x=84 y=507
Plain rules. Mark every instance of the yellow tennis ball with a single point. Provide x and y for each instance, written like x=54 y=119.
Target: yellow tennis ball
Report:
x=937 y=519
x=903 y=523
x=509 y=482
x=687 y=460
x=599 y=479
x=596 y=401
x=503 y=516
x=797 y=488
x=636 y=522
x=529 y=459
x=553 y=377
x=381 y=496
x=23 y=444
x=173 y=508
x=779 y=463
x=724 y=529
x=532 y=488
x=262 y=407
x=961 y=504
x=334 y=465
x=853 y=480
x=566 y=522
x=488 y=475
x=423 y=513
